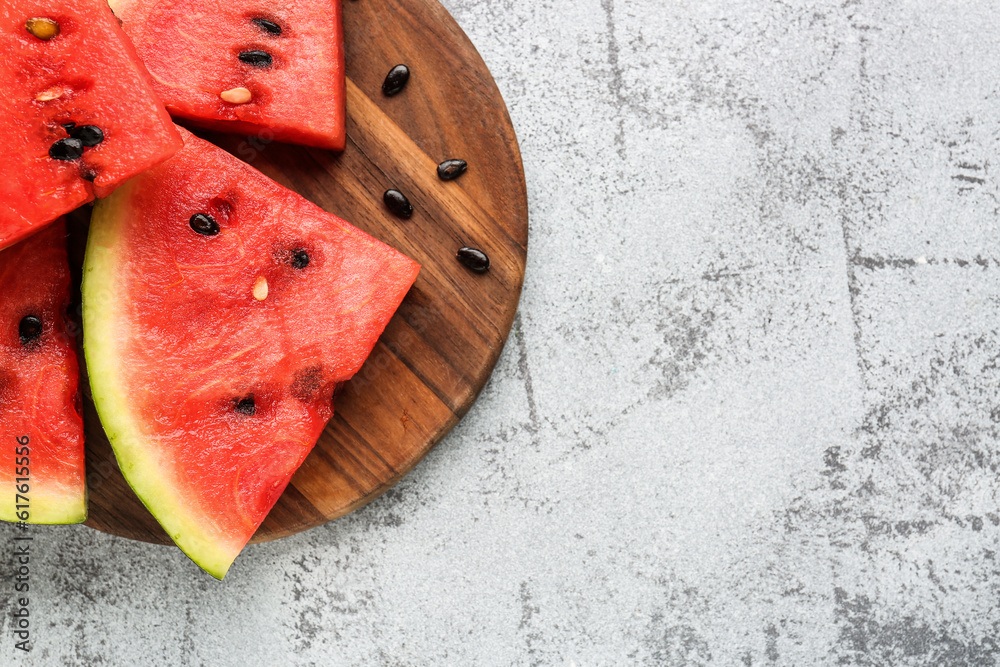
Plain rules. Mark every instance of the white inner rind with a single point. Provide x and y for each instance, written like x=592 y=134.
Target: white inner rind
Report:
x=105 y=336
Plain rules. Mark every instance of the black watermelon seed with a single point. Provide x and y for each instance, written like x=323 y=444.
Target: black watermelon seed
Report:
x=449 y=170
x=89 y=175
x=29 y=329
x=396 y=80
x=68 y=126
x=257 y=58
x=89 y=135
x=397 y=202
x=246 y=406
x=268 y=26
x=300 y=259
x=474 y=259
x=42 y=28
x=204 y=224
x=66 y=149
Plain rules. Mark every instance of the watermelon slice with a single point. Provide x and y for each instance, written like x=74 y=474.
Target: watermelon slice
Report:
x=220 y=311
x=274 y=70
x=78 y=113
x=39 y=421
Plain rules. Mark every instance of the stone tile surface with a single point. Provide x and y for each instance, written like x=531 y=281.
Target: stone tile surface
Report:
x=748 y=414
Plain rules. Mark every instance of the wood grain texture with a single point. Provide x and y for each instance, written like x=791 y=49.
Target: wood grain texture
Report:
x=440 y=348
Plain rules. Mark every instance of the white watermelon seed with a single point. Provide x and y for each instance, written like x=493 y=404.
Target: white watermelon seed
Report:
x=236 y=96
x=50 y=94
x=42 y=28
x=260 y=288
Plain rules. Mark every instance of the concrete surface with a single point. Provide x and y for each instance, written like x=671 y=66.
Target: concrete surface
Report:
x=750 y=411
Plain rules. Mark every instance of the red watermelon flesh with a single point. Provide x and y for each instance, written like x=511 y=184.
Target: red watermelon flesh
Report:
x=211 y=386
x=39 y=422
x=289 y=58
x=86 y=75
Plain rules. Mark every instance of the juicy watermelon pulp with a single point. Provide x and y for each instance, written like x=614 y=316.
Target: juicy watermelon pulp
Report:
x=212 y=388
x=39 y=421
x=87 y=75
x=288 y=56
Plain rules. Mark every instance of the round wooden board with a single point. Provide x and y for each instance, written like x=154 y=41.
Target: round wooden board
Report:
x=440 y=347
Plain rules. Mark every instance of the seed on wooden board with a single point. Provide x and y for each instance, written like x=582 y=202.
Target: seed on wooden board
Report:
x=395 y=80
x=29 y=329
x=236 y=96
x=204 y=224
x=89 y=135
x=267 y=26
x=42 y=28
x=66 y=149
x=246 y=406
x=260 y=288
x=257 y=58
x=474 y=259
x=449 y=170
x=397 y=203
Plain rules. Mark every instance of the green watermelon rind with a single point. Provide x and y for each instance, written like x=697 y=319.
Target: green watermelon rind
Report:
x=102 y=297
x=64 y=510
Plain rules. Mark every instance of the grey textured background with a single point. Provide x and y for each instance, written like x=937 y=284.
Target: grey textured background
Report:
x=748 y=414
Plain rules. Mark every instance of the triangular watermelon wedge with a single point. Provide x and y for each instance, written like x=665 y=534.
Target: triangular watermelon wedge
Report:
x=220 y=312
x=42 y=453
x=77 y=114
x=272 y=70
